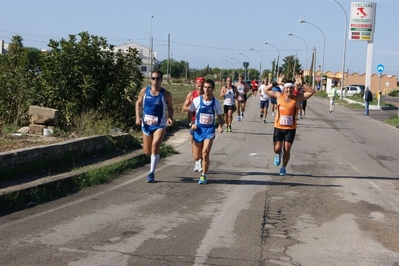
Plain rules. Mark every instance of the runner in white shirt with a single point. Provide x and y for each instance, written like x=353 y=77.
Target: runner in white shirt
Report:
x=264 y=101
x=228 y=93
x=241 y=99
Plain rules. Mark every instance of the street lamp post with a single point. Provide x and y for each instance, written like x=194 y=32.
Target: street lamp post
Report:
x=239 y=64
x=149 y=60
x=324 y=49
x=306 y=64
x=227 y=69
x=261 y=60
x=233 y=67
x=246 y=68
x=344 y=50
x=278 y=58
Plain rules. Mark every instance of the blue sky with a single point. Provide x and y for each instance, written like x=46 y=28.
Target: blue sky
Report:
x=208 y=32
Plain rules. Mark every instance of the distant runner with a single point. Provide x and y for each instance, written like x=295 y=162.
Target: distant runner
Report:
x=254 y=86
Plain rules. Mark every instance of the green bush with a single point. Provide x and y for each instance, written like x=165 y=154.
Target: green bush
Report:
x=321 y=93
x=81 y=74
x=394 y=92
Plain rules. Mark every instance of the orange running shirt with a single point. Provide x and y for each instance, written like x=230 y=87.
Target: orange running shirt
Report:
x=286 y=113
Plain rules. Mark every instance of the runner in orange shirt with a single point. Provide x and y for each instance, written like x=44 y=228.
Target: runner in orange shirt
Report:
x=285 y=122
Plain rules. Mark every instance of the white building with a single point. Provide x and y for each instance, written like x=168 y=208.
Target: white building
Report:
x=144 y=54
x=3 y=47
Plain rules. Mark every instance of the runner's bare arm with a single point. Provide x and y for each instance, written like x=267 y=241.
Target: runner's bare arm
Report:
x=169 y=104
x=223 y=92
x=139 y=106
x=308 y=91
x=187 y=102
x=220 y=122
x=268 y=89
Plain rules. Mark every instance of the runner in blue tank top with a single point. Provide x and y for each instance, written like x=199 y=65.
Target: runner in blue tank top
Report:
x=151 y=106
x=206 y=108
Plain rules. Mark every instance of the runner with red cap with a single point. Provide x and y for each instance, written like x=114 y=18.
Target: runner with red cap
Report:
x=254 y=86
x=199 y=90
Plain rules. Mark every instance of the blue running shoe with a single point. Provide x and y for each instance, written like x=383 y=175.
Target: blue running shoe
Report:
x=202 y=180
x=282 y=171
x=277 y=160
x=150 y=178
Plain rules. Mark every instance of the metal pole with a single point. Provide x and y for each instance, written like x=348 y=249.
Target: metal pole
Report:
x=233 y=67
x=344 y=50
x=149 y=47
x=324 y=49
x=278 y=57
x=239 y=63
x=379 y=91
x=314 y=68
x=227 y=69
x=260 y=64
x=293 y=70
x=246 y=69
x=168 y=63
x=307 y=49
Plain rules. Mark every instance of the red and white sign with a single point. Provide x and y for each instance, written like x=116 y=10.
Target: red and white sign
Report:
x=362 y=20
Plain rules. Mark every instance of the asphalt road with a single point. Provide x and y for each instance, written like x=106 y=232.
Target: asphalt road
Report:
x=338 y=204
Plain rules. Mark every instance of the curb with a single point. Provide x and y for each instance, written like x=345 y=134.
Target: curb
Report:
x=372 y=107
x=60 y=177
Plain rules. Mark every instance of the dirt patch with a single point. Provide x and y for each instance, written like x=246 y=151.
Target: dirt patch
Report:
x=9 y=142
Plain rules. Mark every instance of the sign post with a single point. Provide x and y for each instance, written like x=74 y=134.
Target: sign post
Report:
x=380 y=69
x=246 y=65
x=362 y=21
x=361 y=28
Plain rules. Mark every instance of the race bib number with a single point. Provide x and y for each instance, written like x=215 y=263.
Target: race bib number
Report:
x=228 y=101
x=206 y=119
x=239 y=98
x=286 y=120
x=150 y=120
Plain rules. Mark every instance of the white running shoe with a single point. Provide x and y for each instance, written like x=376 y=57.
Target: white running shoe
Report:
x=196 y=167
x=199 y=165
x=273 y=114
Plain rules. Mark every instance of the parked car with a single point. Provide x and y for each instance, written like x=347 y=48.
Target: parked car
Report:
x=353 y=89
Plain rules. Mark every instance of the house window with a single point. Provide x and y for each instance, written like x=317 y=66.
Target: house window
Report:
x=143 y=69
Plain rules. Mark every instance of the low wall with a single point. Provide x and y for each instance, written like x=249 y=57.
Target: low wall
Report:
x=12 y=159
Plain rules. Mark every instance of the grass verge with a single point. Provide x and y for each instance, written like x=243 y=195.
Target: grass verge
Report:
x=394 y=121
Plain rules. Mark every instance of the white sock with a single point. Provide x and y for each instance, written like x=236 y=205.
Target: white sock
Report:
x=154 y=162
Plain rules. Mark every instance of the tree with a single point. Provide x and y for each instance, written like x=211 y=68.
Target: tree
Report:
x=86 y=75
x=290 y=67
x=177 y=69
x=15 y=45
x=20 y=69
